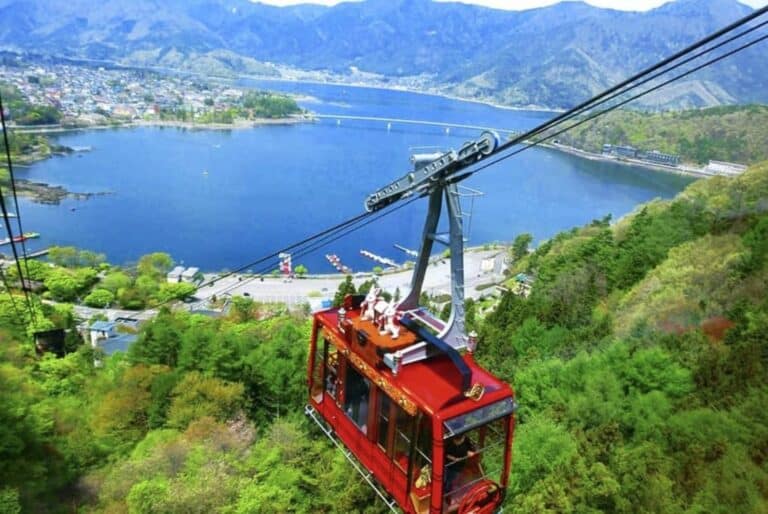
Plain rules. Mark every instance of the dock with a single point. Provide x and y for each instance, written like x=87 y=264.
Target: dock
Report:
x=408 y=251
x=378 y=258
x=19 y=239
x=336 y=263
x=39 y=253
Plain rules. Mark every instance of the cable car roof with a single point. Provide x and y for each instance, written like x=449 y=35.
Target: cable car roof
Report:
x=433 y=384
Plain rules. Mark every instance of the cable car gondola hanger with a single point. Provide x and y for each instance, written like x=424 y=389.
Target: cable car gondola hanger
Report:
x=427 y=427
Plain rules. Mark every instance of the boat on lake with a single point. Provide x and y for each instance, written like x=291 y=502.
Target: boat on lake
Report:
x=19 y=239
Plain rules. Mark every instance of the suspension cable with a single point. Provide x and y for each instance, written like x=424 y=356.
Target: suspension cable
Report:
x=588 y=103
x=624 y=102
x=331 y=234
x=317 y=245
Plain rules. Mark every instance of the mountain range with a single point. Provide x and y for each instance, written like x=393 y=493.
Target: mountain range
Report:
x=552 y=56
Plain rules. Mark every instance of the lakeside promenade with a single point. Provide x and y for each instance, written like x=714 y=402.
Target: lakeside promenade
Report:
x=313 y=287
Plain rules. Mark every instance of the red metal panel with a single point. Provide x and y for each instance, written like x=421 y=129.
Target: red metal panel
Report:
x=367 y=452
x=436 y=503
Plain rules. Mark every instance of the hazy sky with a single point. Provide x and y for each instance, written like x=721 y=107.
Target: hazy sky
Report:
x=626 y=5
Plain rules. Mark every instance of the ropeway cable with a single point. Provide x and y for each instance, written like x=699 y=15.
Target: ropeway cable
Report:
x=603 y=97
x=588 y=103
x=532 y=133
x=623 y=102
x=4 y=279
x=6 y=218
x=316 y=246
x=13 y=186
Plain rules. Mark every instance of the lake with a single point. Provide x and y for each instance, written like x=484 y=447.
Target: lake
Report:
x=221 y=199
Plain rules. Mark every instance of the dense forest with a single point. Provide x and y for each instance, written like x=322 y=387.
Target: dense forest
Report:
x=730 y=133
x=639 y=361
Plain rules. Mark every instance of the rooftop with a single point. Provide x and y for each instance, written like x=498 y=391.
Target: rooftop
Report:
x=103 y=326
x=434 y=384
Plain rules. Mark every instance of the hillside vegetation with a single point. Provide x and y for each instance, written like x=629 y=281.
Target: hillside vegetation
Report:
x=733 y=133
x=639 y=359
x=639 y=362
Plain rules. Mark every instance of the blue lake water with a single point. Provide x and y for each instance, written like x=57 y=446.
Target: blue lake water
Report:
x=270 y=186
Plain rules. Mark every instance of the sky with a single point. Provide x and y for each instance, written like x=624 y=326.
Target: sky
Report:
x=517 y=5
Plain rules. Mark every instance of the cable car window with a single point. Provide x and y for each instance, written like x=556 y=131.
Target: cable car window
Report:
x=473 y=457
x=316 y=388
x=421 y=478
x=423 y=453
x=356 y=398
x=479 y=417
x=403 y=433
x=331 y=370
x=384 y=414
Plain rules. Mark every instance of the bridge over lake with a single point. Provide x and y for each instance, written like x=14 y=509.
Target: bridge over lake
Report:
x=389 y=121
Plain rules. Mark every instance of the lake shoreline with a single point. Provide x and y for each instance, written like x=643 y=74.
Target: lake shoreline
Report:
x=189 y=125
x=404 y=89
x=592 y=156
x=47 y=194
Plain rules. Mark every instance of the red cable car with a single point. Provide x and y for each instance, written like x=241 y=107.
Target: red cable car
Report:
x=428 y=428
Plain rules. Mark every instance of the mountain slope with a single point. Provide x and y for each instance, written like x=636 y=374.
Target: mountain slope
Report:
x=550 y=56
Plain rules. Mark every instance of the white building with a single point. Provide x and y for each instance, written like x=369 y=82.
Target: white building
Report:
x=174 y=277
x=189 y=274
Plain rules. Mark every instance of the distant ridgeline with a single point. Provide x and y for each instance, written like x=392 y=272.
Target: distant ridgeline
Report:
x=732 y=133
x=552 y=57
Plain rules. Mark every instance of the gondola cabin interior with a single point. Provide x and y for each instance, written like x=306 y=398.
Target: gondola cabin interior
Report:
x=434 y=435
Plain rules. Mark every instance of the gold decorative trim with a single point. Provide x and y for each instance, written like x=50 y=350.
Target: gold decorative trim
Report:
x=383 y=384
x=476 y=392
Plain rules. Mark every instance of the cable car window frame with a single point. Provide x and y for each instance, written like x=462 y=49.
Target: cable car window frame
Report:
x=349 y=370
x=380 y=415
x=317 y=375
x=405 y=432
x=394 y=415
x=331 y=364
x=478 y=417
x=488 y=443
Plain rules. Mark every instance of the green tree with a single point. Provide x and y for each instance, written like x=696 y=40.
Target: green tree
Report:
x=99 y=298
x=116 y=281
x=155 y=265
x=179 y=291
x=63 y=255
x=345 y=288
x=62 y=285
x=301 y=270
x=520 y=246
x=196 y=396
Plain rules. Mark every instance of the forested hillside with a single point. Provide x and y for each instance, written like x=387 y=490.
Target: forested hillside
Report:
x=639 y=359
x=639 y=362
x=732 y=133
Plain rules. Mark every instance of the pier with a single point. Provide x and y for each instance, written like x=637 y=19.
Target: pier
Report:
x=19 y=239
x=389 y=121
x=408 y=251
x=39 y=253
x=335 y=261
x=377 y=258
